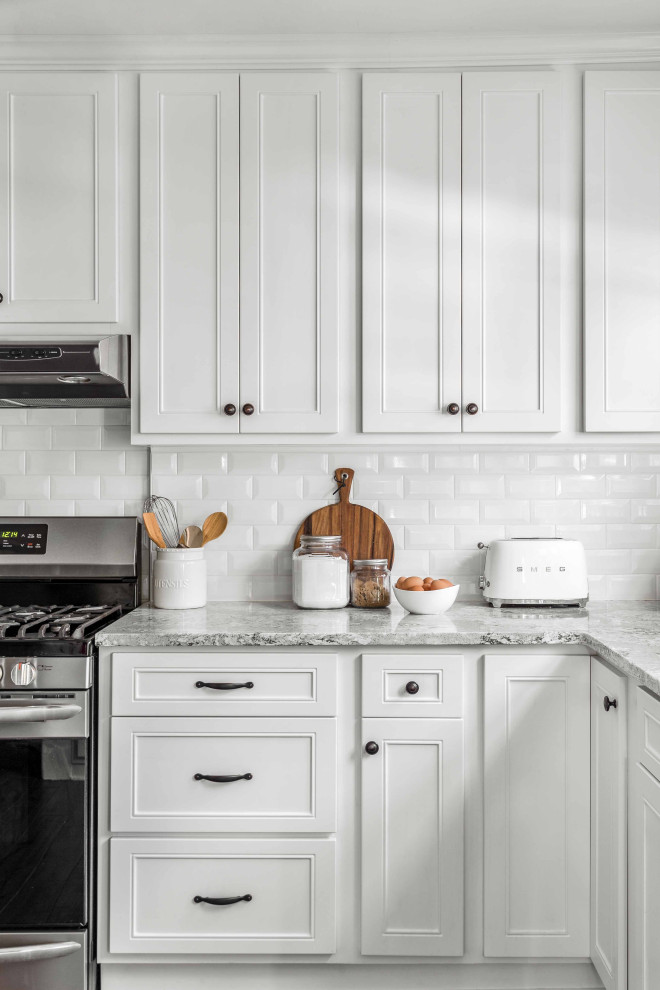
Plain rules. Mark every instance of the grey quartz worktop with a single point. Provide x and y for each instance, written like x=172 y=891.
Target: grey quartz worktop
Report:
x=626 y=634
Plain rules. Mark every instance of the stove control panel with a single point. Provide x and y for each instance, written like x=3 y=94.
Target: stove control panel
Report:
x=21 y=539
x=29 y=353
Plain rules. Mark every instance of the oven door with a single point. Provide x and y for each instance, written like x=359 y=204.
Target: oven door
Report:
x=38 y=961
x=44 y=812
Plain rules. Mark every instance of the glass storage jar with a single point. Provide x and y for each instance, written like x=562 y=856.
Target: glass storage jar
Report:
x=320 y=573
x=371 y=585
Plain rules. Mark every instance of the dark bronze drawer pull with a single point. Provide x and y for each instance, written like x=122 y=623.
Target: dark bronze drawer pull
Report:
x=221 y=900
x=609 y=703
x=226 y=778
x=223 y=685
x=412 y=687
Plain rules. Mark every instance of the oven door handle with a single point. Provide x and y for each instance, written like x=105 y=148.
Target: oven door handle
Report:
x=38 y=713
x=35 y=953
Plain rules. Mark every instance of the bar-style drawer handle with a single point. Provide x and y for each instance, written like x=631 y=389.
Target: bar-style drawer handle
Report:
x=224 y=685
x=34 y=953
x=38 y=713
x=226 y=778
x=221 y=900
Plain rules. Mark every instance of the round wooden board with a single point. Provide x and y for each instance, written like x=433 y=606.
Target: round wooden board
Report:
x=364 y=534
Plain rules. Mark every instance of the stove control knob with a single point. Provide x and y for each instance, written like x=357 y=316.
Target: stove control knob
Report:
x=23 y=673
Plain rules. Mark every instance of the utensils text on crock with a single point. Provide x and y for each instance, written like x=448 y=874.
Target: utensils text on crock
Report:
x=214 y=526
x=153 y=529
x=165 y=514
x=191 y=537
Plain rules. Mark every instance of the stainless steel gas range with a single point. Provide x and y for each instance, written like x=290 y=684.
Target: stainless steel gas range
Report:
x=61 y=580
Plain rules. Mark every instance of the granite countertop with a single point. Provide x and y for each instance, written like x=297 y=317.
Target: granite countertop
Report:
x=626 y=634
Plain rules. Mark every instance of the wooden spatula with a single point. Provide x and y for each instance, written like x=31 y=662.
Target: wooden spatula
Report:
x=191 y=537
x=214 y=526
x=153 y=529
x=364 y=534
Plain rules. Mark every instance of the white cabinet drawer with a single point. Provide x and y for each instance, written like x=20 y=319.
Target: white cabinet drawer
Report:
x=154 y=884
x=245 y=683
x=647 y=728
x=408 y=684
x=157 y=763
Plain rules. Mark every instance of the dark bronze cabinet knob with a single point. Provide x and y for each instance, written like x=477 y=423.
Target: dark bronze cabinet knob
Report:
x=453 y=408
x=372 y=748
x=412 y=687
x=609 y=703
x=472 y=408
x=2 y=298
x=230 y=409
x=248 y=408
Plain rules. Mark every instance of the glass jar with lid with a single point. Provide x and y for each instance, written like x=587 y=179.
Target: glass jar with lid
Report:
x=320 y=573
x=371 y=585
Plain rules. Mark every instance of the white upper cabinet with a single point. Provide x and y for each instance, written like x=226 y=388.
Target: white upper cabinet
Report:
x=511 y=251
x=411 y=261
x=289 y=342
x=58 y=197
x=536 y=806
x=189 y=252
x=622 y=251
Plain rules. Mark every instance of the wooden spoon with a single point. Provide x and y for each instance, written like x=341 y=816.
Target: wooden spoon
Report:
x=214 y=526
x=153 y=529
x=191 y=537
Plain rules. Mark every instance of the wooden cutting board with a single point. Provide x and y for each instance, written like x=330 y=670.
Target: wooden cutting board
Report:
x=364 y=534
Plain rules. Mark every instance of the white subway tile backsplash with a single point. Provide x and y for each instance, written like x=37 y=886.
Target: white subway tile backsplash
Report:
x=50 y=507
x=428 y=537
x=50 y=462
x=274 y=537
x=581 y=485
x=200 y=462
x=13 y=462
x=609 y=561
x=181 y=486
x=646 y=461
x=359 y=462
x=237 y=536
x=605 y=461
x=163 y=462
x=108 y=507
x=556 y=511
x=455 y=563
x=644 y=562
x=251 y=462
x=280 y=486
x=626 y=485
x=454 y=461
x=24 y=486
x=529 y=486
x=318 y=486
x=647 y=510
x=125 y=486
x=591 y=536
x=12 y=507
x=98 y=461
x=450 y=511
x=27 y=438
x=549 y=462
x=524 y=531
x=605 y=510
x=377 y=486
x=294 y=462
x=467 y=537
x=409 y=563
x=250 y=512
x=428 y=485
x=631 y=587
x=505 y=511
x=404 y=512
x=634 y=536
x=479 y=486
x=509 y=463
x=294 y=512
x=226 y=486
x=75 y=487
x=115 y=437
x=76 y=438
x=399 y=463
x=251 y=562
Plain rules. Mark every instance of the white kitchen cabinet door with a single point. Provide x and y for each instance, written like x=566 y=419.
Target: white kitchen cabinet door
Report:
x=411 y=252
x=511 y=137
x=58 y=197
x=622 y=250
x=188 y=252
x=644 y=880
x=608 y=825
x=536 y=806
x=289 y=340
x=412 y=837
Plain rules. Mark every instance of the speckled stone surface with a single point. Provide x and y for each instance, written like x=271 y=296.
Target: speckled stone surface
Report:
x=626 y=634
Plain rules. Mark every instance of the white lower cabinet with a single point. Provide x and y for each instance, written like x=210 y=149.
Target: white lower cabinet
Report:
x=412 y=837
x=223 y=775
x=536 y=806
x=222 y=895
x=608 y=825
x=644 y=893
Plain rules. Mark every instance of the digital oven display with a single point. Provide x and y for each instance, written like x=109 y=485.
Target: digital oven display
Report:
x=23 y=539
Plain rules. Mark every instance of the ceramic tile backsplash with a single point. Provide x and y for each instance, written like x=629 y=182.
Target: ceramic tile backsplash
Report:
x=439 y=504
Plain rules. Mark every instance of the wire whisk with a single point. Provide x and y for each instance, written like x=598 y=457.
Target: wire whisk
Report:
x=166 y=518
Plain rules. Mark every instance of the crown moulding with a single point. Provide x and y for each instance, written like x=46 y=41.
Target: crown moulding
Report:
x=322 y=51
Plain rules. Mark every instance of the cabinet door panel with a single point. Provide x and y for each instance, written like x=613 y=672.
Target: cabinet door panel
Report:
x=289 y=145
x=536 y=806
x=644 y=902
x=622 y=250
x=189 y=252
x=411 y=230
x=511 y=250
x=58 y=197
x=608 y=825
x=412 y=838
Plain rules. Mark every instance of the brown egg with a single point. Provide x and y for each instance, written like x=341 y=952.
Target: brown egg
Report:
x=441 y=583
x=427 y=581
x=412 y=584
x=417 y=587
x=400 y=583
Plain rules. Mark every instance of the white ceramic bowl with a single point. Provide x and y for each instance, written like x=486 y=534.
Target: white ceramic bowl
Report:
x=427 y=602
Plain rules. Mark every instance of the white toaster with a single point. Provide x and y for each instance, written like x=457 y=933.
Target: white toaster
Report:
x=535 y=571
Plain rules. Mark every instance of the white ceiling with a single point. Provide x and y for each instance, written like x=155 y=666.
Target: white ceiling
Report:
x=218 y=17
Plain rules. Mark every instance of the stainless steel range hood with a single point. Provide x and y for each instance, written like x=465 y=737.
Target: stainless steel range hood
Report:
x=65 y=373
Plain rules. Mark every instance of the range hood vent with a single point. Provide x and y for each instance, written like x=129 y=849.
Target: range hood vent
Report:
x=78 y=373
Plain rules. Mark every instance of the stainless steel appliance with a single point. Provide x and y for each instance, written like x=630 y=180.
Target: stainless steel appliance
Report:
x=59 y=373
x=61 y=580
x=535 y=571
